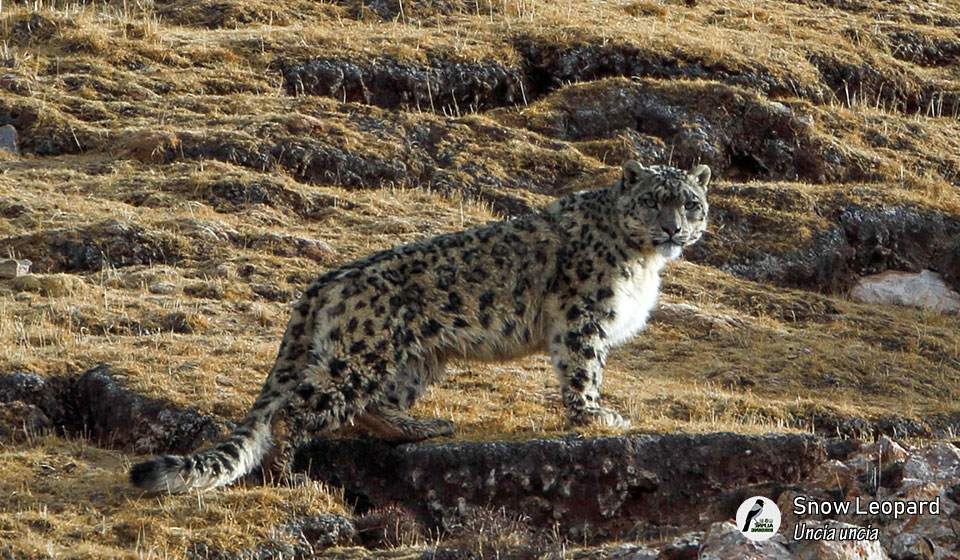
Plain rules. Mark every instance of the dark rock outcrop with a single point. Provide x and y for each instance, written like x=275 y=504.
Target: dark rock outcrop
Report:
x=912 y=46
x=96 y=406
x=111 y=243
x=591 y=488
x=118 y=417
x=550 y=66
x=896 y=237
x=453 y=87
x=443 y=86
x=950 y=265
x=738 y=133
x=322 y=530
x=19 y=421
x=850 y=240
x=45 y=394
x=892 y=88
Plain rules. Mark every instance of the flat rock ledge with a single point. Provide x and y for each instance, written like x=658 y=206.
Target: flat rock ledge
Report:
x=591 y=490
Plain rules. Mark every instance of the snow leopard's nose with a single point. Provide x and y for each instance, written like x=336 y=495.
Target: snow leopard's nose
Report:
x=671 y=229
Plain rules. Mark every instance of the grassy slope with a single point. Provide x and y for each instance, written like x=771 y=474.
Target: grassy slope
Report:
x=133 y=86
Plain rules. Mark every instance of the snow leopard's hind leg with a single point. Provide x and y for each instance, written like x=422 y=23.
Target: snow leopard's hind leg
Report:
x=385 y=418
x=390 y=423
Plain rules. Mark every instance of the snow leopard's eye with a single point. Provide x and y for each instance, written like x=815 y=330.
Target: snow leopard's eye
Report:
x=650 y=203
x=692 y=205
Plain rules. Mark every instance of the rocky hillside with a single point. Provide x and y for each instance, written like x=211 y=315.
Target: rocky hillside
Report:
x=182 y=169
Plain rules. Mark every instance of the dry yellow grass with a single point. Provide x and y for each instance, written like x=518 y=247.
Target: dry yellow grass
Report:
x=66 y=499
x=111 y=97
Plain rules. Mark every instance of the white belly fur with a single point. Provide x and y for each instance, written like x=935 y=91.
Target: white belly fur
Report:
x=633 y=300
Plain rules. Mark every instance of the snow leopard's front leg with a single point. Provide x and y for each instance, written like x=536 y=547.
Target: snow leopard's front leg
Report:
x=578 y=354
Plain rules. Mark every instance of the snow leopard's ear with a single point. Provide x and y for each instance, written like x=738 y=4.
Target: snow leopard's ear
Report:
x=701 y=175
x=633 y=173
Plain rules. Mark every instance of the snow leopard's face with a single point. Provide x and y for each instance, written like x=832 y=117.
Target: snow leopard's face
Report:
x=663 y=206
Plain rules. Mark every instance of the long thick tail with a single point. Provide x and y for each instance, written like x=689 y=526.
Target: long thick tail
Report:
x=228 y=460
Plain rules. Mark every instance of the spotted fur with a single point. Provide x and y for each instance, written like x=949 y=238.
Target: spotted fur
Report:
x=365 y=340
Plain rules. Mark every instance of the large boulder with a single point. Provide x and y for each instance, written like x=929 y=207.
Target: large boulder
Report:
x=924 y=289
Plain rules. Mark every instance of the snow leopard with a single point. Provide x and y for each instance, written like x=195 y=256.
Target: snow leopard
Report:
x=574 y=280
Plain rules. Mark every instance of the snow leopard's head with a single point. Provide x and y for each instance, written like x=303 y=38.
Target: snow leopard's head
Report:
x=663 y=206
